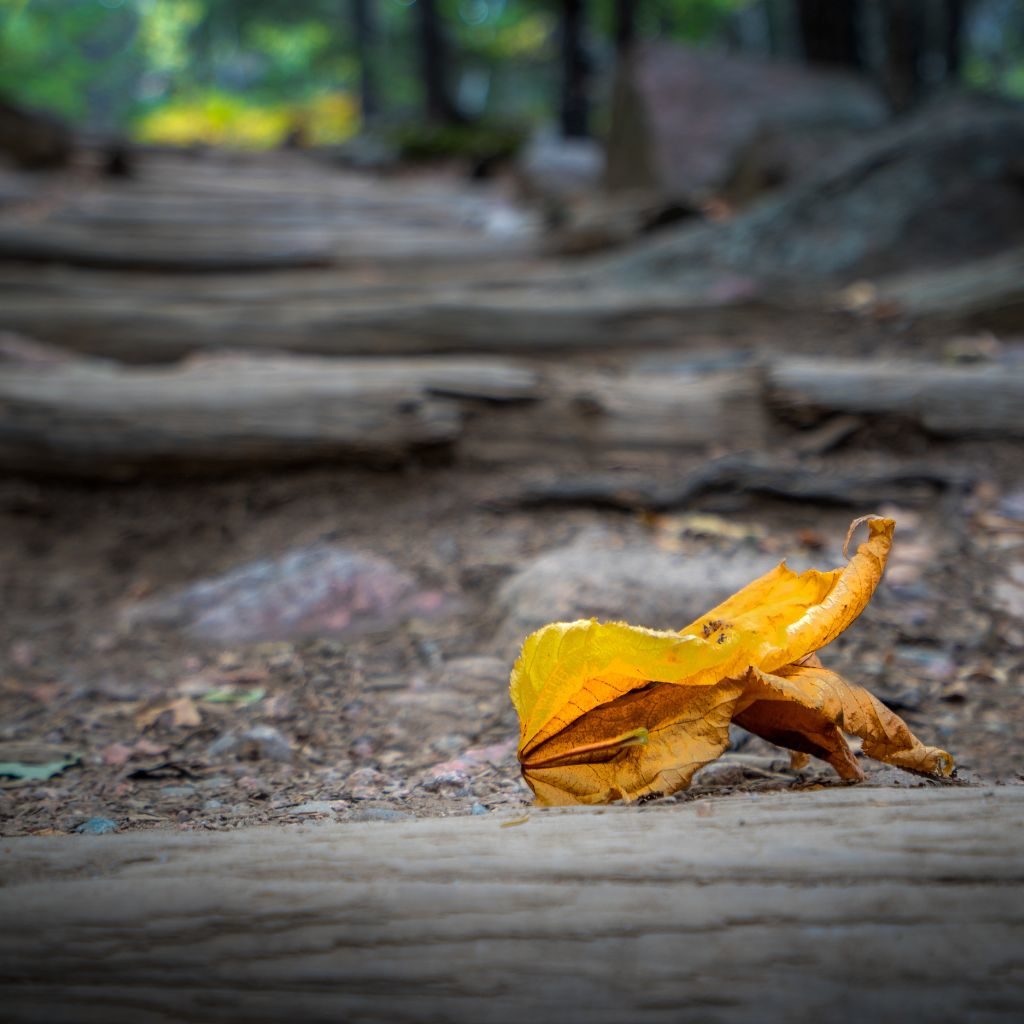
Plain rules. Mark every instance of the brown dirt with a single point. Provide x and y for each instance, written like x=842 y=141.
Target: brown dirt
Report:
x=379 y=726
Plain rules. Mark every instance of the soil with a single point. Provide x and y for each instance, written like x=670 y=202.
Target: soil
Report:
x=416 y=720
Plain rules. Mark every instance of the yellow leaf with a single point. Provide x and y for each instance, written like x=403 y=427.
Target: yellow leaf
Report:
x=610 y=711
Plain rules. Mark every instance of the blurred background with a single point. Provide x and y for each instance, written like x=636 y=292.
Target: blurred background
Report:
x=345 y=342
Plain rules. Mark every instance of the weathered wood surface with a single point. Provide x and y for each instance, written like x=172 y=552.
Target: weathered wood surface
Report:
x=87 y=417
x=854 y=904
x=948 y=400
x=987 y=293
x=189 y=248
x=224 y=212
x=91 y=418
x=98 y=419
x=746 y=473
x=330 y=313
x=607 y=412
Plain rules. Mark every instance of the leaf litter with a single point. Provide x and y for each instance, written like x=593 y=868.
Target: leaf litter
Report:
x=369 y=717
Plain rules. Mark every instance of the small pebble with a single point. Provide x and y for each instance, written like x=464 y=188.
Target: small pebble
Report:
x=380 y=814
x=478 y=809
x=97 y=827
x=177 y=790
x=445 y=780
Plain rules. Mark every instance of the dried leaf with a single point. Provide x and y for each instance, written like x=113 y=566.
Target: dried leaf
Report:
x=610 y=711
x=118 y=754
x=181 y=713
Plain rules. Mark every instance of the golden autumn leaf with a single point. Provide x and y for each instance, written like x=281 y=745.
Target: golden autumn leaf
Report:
x=609 y=711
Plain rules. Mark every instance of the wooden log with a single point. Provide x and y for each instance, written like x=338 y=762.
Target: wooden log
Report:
x=847 y=904
x=607 y=414
x=945 y=400
x=911 y=483
x=89 y=418
x=185 y=252
x=982 y=293
x=347 y=316
x=179 y=215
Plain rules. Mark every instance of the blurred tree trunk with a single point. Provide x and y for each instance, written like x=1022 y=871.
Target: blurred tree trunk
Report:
x=783 y=29
x=625 y=25
x=830 y=32
x=434 y=62
x=575 y=100
x=955 y=14
x=365 y=35
x=905 y=37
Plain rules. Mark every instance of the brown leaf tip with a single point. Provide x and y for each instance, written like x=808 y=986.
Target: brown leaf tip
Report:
x=871 y=518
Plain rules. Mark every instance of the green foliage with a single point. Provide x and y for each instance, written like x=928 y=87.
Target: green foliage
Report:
x=217 y=118
x=418 y=140
x=242 y=68
x=70 y=56
x=108 y=61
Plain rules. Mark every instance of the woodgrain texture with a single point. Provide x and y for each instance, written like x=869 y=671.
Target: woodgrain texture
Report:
x=91 y=418
x=948 y=400
x=843 y=904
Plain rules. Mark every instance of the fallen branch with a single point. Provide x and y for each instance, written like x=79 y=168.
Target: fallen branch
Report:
x=750 y=474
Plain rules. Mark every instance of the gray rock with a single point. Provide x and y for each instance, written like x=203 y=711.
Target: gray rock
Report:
x=682 y=117
x=552 y=167
x=174 y=791
x=315 y=590
x=640 y=584
x=317 y=807
x=475 y=675
x=262 y=741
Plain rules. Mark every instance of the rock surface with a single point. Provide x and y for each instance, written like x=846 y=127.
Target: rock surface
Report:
x=319 y=589
x=941 y=189
x=641 y=584
x=682 y=118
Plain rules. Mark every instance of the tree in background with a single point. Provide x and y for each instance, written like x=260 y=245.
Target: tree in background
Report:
x=259 y=64
x=954 y=17
x=364 y=33
x=830 y=31
x=917 y=44
x=434 y=64
x=575 y=102
x=625 y=25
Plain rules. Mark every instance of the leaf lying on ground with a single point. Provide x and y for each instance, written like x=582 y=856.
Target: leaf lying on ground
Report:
x=35 y=772
x=180 y=713
x=229 y=695
x=609 y=711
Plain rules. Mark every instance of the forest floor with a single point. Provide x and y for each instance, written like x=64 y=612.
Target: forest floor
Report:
x=415 y=719
x=410 y=715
